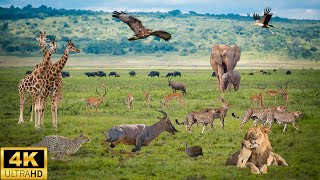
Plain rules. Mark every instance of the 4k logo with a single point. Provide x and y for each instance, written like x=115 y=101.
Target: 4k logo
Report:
x=24 y=163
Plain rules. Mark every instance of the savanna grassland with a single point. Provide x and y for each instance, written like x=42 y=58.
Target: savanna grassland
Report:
x=165 y=158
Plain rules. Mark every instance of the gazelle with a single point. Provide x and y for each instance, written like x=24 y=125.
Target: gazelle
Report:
x=130 y=100
x=258 y=99
x=172 y=96
x=280 y=91
x=147 y=96
x=95 y=101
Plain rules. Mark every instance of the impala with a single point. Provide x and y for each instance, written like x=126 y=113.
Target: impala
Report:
x=95 y=101
x=172 y=96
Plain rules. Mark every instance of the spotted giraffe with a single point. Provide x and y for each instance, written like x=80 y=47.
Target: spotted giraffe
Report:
x=33 y=83
x=53 y=84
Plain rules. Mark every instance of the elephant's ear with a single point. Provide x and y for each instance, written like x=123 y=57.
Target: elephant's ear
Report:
x=216 y=52
x=237 y=53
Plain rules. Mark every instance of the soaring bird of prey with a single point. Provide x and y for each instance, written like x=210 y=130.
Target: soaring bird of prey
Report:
x=265 y=19
x=139 y=30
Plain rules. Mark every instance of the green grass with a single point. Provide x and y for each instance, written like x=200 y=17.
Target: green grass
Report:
x=165 y=156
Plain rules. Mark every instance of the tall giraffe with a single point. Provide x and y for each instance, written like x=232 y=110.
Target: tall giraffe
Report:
x=53 y=86
x=33 y=82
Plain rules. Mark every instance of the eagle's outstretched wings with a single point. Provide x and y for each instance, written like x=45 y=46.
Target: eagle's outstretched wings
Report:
x=162 y=34
x=266 y=16
x=134 y=23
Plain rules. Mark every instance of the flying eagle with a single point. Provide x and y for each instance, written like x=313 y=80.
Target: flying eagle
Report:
x=136 y=26
x=265 y=19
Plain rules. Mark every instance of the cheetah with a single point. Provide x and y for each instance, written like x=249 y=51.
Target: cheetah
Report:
x=285 y=118
x=60 y=146
x=259 y=115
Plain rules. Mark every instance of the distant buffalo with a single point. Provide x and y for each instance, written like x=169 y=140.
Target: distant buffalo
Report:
x=28 y=72
x=90 y=74
x=169 y=74
x=154 y=73
x=101 y=74
x=65 y=74
x=115 y=74
x=213 y=74
x=251 y=74
x=132 y=73
x=176 y=73
x=288 y=72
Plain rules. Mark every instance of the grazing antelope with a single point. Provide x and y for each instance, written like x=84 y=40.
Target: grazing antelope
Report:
x=258 y=99
x=95 y=101
x=177 y=86
x=280 y=91
x=147 y=96
x=130 y=100
x=172 y=96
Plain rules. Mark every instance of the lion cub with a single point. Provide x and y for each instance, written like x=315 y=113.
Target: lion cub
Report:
x=245 y=153
x=60 y=146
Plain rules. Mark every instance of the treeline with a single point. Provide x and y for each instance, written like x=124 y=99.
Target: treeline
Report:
x=192 y=33
x=15 y=13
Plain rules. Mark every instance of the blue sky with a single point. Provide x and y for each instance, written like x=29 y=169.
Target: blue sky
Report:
x=293 y=9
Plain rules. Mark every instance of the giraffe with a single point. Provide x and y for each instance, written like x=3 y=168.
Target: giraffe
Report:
x=33 y=82
x=53 y=86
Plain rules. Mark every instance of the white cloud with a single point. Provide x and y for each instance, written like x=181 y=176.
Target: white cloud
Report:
x=299 y=13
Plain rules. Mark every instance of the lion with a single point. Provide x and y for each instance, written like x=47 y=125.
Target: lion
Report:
x=256 y=152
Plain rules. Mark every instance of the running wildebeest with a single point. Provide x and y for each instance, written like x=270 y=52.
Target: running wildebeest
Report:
x=132 y=73
x=288 y=72
x=65 y=74
x=88 y=74
x=169 y=74
x=213 y=74
x=154 y=73
x=176 y=73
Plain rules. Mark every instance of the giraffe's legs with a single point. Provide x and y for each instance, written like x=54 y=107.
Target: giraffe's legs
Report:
x=32 y=111
x=22 y=100
x=54 y=110
x=43 y=105
x=37 y=110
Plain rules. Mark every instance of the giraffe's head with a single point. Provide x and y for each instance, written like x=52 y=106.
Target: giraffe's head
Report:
x=53 y=45
x=71 y=48
x=42 y=39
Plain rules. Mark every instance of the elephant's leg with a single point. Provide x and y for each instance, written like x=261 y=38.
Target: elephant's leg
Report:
x=219 y=76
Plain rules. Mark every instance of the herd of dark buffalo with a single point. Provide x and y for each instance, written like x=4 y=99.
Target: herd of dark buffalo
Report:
x=65 y=74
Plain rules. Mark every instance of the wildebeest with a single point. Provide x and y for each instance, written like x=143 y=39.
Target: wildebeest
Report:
x=115 y=74
x=169 y=74
x=177 y=86
x=288 y=72
x=213 y=74
x=28 y=72
x=65 y=74
x=132 y=73
x=154 y=73
x=88 y=74
x=176 y=73
x=274 y=70
x=250 y=73
x=101 y=74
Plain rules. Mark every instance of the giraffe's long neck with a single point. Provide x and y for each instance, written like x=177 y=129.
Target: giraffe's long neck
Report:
x=62 y=62
x=44 y=52
x=44 y=65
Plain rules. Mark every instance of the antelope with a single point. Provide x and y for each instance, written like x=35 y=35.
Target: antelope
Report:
x=130 y=100
x=280 y=91
x=177 y=86
x=137 y=134
x=95 y=101
x=258 y=98
x=172 y=96
x=147 y=96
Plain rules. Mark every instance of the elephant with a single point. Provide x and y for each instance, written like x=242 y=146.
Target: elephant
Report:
x=227 y=83
x=224 y=59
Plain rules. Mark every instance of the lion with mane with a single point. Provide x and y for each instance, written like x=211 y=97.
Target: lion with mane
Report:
x=256 y=152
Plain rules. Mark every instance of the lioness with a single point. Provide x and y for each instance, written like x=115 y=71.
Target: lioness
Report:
x=261 y=156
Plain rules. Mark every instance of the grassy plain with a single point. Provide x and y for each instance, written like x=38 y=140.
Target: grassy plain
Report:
x=165 y=158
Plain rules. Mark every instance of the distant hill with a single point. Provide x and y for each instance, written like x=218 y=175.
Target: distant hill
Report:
x=193 y=34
